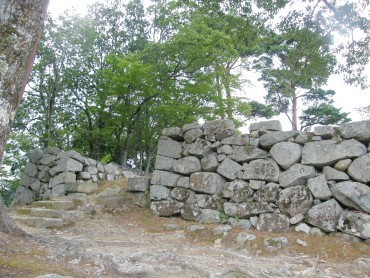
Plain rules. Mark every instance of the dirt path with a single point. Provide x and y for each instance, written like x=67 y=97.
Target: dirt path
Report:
x=135 y=244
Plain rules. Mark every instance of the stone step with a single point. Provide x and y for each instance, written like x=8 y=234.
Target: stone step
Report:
x=40 y=222
x=55 y=204
x=44 y=212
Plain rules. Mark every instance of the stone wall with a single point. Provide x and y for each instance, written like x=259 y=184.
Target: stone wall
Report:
x=52 y=172
x=270 y=179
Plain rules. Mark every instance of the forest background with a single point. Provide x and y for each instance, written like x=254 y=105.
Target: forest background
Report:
x=106 y=82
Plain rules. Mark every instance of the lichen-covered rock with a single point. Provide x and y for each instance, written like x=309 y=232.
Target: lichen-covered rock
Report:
x=225 y=149
x=210 y=162
x=191 y=126
x=80 y=187
x=295 y=200
x=319 y=187
x=355 y=223
x=166 y=208
x=247 y=153
x=193 y=134
x=262 y=169
x=210 y=216
x=239 y=223
x=164 y=163
x=326 y=132
x=67 y=164
x=209 y=201
x=246 y=210
x=273 y=222
x=325 y=215
x=165 y=178
x=169 y=148
x=238 y=140
x=159 y=192
x=180 y=194
x=267 y=193
x=229 y=169
x=275 y=244
x=64 y=177
x=218 y=130
x=358 y=130
x=200 y=148
x=272 y=125
x=286 y=153
x=328 y=152
x=359 y=169
x=271 y=138
x=206 y=182
x=353 y=194
x=187 y=165
x=191 y=212
x=240 y=191
x=183 y=182
x=296 y=175
x=332 y=174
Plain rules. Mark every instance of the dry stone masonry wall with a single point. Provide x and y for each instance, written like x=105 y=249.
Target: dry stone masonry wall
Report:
x=52 y=172
x=270 y=179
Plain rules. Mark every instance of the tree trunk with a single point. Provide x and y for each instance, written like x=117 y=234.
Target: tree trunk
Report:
x=294 y=113
x=21 y=24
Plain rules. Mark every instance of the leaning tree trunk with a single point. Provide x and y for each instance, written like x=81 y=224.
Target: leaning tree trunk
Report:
x=21 y=24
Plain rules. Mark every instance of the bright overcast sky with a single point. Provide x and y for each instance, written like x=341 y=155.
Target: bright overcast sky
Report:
x=347 y=97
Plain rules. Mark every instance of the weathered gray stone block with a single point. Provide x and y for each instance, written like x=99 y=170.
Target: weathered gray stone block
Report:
x=319 y=187
x=295 y=200
x=47 y=159
x=342 y=165
x=91 y=170
x=262 y=169
x=303 y=137
x=44 y=175
x=210 y=183
x=246 y=210
x=238 y=140
x=273 y=222
x=140 y=184
x=267 y=193
x=210 y=216
x=66 y=164
x=271 y=138
x=225 y=149
x=26 y=181
x=159 y=192
x=173 y=132
x=163 y=163
x=23 y=196
x=58 y=190
x=166 y=208
x=286 y=154
x=200 y=148
x=169 y=148
x=327 y=153
x=355 y=223
x=36 y=155
x=64 y=177
x=229 y=169
x=256 y=185
x=183 y=182
x=82 y=187
x=218 y=129
x=35 y=186
x=247 y=153
x=334 y=174
x=359 y=169
x=209 y=202
x=210 y=162
x=273 y=125
x=238 y=191
x=193 y=134
x=31 y=170
x=325 y=215
x=83 y=176
x=352 y=194
x=296 y=175
x=326 y=132
x=187 y=165
x=240 y=223
x=191 y=212
x=165 y=178
x=275 y=244
x=180 y=194
x=188 y=127
x=357 y=130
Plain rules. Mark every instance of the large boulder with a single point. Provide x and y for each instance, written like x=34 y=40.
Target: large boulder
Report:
x=295 y=200
x=66 y=164
x=296 y=175
x=247 y=153
x=353 y=194
x=273 y=125
x=286 y=153
x=64 y=177
x=319 y=187
x=187 y=165
x=229 y=169
x=165 y=178
x=328 y=152
x=325 y=215
x=355 y=223
x=206 y=182
x=168 y=147
x=359 y=169
x=358 y=130
x=166 y=207
x=262 y=169
x=164 y=163
x=269 y=139
x=273 y=222
x=218 y=130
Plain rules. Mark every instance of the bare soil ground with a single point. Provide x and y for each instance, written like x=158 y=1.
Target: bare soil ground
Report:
x=133 y=243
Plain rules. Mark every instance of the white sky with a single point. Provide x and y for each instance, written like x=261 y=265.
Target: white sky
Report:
x=347 y=97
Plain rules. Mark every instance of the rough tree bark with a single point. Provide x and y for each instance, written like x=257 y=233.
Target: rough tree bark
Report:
x=21 y=24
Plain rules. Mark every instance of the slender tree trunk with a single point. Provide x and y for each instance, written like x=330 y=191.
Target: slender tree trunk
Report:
x=21 y=24
x=294 y=113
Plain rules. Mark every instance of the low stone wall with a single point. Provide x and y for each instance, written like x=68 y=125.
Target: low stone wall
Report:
x=269 y=179
x=52 y=172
